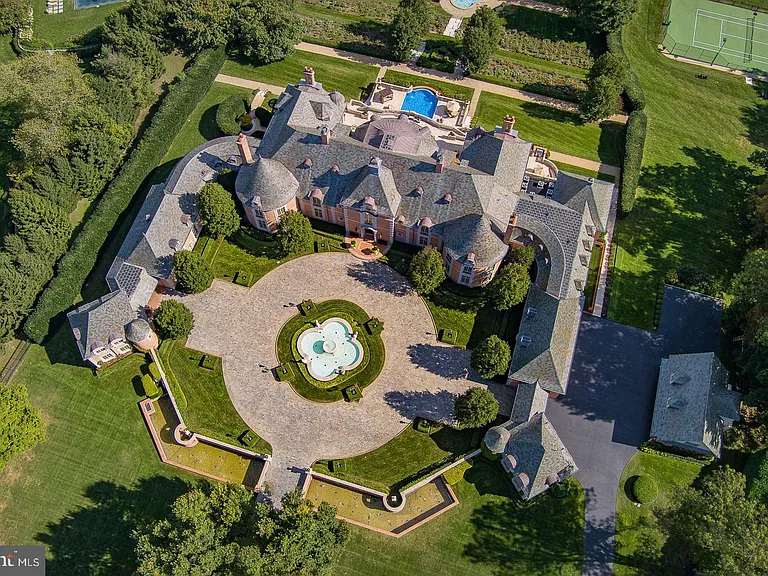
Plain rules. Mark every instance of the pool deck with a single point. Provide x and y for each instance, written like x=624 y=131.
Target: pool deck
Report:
x=458 y=12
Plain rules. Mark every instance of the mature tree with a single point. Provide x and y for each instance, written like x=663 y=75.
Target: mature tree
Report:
x=34 y=214
x=510 y=286
x=295 y=233
x=266 y=30
x=604 y=15
x=491 y=357
x=217 y=210
x=605 y=84
x=524 y=256
x=127 y=73
x=475 y=408
x=116 y=99
x=756 y=472
x=193 y=275
x=151 y=17
x=38 y=140
x=13 y=13
x=200 y=24
x=20 y=424
x=719 y=528
x=223 y=530
x=410 y=25
x=426 y=271
x=121 y=37
x=481 y=39
x=173 y=320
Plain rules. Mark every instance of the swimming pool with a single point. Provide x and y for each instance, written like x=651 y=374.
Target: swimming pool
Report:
x=91 y=3
x=421 y=101
x=464 y=3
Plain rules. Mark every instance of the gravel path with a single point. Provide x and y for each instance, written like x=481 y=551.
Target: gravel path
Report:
x=420 y=376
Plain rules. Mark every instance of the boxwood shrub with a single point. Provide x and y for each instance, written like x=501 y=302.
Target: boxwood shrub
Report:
x=644 y=489
x=79 y=261
x=228 y=113
x=150 y=388
x=632 y=161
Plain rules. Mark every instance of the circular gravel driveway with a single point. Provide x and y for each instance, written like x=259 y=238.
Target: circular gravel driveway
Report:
x=420 y=375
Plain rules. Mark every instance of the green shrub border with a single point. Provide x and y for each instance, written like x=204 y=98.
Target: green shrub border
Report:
x=228 y=112
x=362 y=376
x=634 y=96
x=632 y=162
x=80 y=259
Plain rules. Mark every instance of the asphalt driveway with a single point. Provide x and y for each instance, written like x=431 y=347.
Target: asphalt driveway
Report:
x=606 y=414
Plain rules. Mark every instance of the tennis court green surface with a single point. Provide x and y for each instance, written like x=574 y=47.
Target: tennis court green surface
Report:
x=717 y=34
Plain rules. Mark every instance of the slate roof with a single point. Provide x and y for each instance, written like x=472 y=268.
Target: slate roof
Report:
x=134 y=280
x=474 y=233
x=539 y=453
x=137 y=330
x=590 y=198
x=269 y=181
x=377 y=182
x=99 y=322
x=496 y=439
x=692 y=401
x=552 y=329
x=394 y=135
x=167 y=216
x=530 y=399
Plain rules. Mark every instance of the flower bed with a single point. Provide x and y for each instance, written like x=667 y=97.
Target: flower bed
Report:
x=570 y=53
x=508 y=73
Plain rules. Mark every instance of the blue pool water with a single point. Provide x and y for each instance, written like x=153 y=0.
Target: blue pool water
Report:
x=464 y=3
x=421 y=101
x=91 y=3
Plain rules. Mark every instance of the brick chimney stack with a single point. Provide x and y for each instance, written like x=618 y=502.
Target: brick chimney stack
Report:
x=440 y=165
x=325 y=135
x=508 y=125
x=245 y=149
x=309 y=76
x=510 y=228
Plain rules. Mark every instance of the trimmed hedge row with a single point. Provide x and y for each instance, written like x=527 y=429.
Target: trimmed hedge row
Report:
x=632 y=161
x=228 y=114
x=634 y=96
x=80 y=259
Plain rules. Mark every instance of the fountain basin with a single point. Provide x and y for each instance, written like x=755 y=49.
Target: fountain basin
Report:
x=329 y=348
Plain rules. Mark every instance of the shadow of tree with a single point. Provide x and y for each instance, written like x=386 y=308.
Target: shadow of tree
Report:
x=380 y=277
x=755 y=118
x=437 y=406
x=447 y=362
x=96 y=540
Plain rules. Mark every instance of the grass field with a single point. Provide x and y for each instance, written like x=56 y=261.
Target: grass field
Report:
x=490 y=533
x=556 y=129
x=639 y=541
x=209 y=410
x=349 y=78
x=61 y=29
x=408 y=456
x=692 y=201
x=718 y=33
x=78 y=492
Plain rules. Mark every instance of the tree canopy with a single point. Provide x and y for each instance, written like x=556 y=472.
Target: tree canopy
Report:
x=217 y=210
x=509 y=287
x=193 y=275
x=221 y=529
x=482 y=34
x=718 y=528
x=173 y=320
x=605 y=84
x=266 y=30
x=475 y=408
x=603 y=15
x=491 y=357
x=295 y=233
x=411 y=23
x=13 y=13
x=20 y=425
x=426 y=270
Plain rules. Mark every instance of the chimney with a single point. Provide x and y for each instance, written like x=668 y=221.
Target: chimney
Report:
x=245 y=149
x=508 y=124
x=309 y=76
x=440 y=163
x=510 y=228
x=325 y=135
x=374 y=166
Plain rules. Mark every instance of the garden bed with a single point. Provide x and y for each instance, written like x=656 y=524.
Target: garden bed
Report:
x=331 y=391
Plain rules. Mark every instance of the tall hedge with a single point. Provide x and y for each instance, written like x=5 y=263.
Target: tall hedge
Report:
x=634 y=97
x=228 y=113
x=80 y=259
x=637 y=125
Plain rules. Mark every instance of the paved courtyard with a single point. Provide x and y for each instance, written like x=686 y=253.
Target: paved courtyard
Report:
x=420 y=376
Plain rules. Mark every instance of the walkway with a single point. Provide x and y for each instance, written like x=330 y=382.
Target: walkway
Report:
x=243 y=83
x=606 y=414
x=420 y=376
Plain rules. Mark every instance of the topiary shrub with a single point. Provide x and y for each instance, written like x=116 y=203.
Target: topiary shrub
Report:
x=491 y=357
x=150 y=388
x=644 y=489
x=475 y=408
x=173 y=320
x=637 y=125
x=228 y=114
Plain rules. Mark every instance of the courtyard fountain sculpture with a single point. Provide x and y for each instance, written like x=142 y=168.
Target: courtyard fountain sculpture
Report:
x=330 y=349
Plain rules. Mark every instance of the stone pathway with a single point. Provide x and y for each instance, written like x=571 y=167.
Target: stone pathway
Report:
x=420 y=376
x=452 y=26
x=416 y=54
x=243 y=83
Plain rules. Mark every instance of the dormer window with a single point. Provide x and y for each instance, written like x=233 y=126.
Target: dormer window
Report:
x=369 y=204
x=368 y=218
x=467 y=269
x=425 y=229
x=316 y=201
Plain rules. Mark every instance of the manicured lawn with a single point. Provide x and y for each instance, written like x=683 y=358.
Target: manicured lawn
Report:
x=556 y=129
x=692 y=202
x=362 y=375
x=80 y=490
x=447 y=89
x=585 y=172
x=59 y=29
x=407 y=457
x=209 y=410
x=639 y=541
x=201 y=124
x=349 y=78
x=6 y=50
x=490 y=533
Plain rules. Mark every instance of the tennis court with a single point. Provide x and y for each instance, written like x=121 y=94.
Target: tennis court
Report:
x=718 y=34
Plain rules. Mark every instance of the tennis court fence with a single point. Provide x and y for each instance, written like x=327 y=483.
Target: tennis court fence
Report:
x=700 y=54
